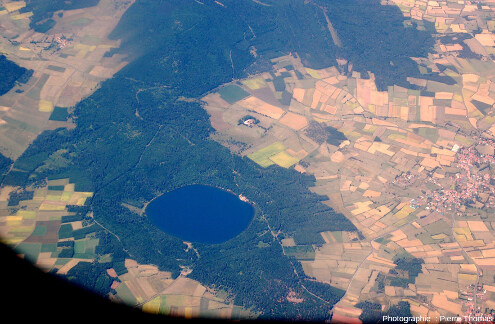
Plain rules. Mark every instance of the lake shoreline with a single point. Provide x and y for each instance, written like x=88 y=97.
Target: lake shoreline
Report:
x=200 y=213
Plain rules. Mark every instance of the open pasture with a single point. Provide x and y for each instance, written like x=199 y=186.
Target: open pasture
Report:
x=294 y=121
x=232 y=93
x=261 y=107
x=255 y=83
x=284 y=159
x=262 y=157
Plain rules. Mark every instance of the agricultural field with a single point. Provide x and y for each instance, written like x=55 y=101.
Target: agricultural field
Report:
x=48 y=231
x=68 y=62
x=410 y=165
x=34 y=226
x=402 y=172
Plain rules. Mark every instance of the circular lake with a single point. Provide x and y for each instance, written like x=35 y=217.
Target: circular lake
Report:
x=199 y=213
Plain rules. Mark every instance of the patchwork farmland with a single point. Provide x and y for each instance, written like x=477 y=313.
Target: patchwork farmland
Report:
x=410 y=167
x=50 y=227
x=68 y=62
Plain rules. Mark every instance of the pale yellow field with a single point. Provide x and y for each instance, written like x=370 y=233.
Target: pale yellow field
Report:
x=13 y=6
x=404 y=212
x=22 y=16
x=284 y=159
x=45 y=106
x=441 y=301
x=46 y=206
x=153 y=306
x=27 y=214
x=314 y=73
x=380 y=147
x=254 y=84
x=261 y=107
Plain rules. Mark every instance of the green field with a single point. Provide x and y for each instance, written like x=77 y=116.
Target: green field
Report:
x=34 y=93
x=27 y=214
x=338 y=236
x=426 y=238
x=59 y=114
x=49 y=247
x=61 y=261
x=65 y=231
x=301 y=252
x=429 y=133
x=126 y=295
x=56 y=188
x=262 y=157
x=85 y=246
x=56 y=68
x=90 y=40
x=232 y=93
x=438 y=227
x=30 y=250
x=39 y=230
x=81 y=22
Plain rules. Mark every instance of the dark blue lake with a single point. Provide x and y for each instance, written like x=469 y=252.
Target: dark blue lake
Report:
x=200 y=213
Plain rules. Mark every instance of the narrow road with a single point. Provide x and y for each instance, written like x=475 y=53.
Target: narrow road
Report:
x=231 y=62
x=275 y=236
x=109 y=231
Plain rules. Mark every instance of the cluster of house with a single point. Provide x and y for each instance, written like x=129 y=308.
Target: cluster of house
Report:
x=61 y=41
x=405 y=179
x=473 y=184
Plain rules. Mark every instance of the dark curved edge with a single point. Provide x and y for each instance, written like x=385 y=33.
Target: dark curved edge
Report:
x=28 y=292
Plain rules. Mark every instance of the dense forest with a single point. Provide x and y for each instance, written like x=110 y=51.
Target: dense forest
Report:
x=128 y=160
x=5 y=164
x=10 y=73
x=136 y=137
x=372 y=312
x=320 y=133
x=375 y=39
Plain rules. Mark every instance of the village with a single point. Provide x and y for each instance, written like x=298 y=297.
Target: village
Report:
x=472 y=186
x=414 y=173
x=68 y=62
x=414 y=170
